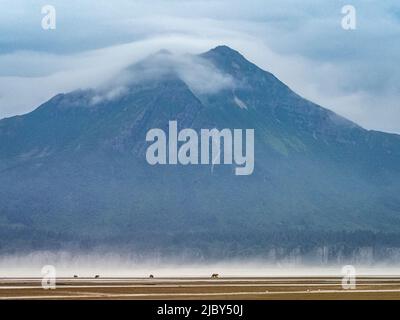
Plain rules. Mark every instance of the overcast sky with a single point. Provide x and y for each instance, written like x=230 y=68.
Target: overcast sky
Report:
x=354 y=73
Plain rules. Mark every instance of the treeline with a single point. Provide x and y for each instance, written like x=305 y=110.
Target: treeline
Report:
x=321 y=246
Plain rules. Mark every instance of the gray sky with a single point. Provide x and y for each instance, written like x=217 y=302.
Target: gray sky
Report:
x=355 y=73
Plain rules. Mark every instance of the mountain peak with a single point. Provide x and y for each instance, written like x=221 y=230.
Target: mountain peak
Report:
x=225 y=51
x=230 y=60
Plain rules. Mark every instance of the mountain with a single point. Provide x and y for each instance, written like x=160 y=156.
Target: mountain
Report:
x=73 y=172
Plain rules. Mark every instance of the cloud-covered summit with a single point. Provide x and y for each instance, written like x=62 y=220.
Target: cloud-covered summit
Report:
x=354 y=73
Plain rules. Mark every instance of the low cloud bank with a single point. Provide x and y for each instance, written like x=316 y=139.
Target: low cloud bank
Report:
x=112 y=264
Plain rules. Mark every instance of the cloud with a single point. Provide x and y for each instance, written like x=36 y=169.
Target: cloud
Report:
x=188 y=264
x=65 y=73
x=200 y=75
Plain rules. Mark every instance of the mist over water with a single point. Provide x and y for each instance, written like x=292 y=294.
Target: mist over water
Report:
x=68 y=264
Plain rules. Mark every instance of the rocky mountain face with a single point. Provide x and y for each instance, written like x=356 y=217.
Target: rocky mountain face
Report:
x=74 y=171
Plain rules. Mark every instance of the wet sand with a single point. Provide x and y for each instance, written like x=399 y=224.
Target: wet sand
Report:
x=293 y=288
